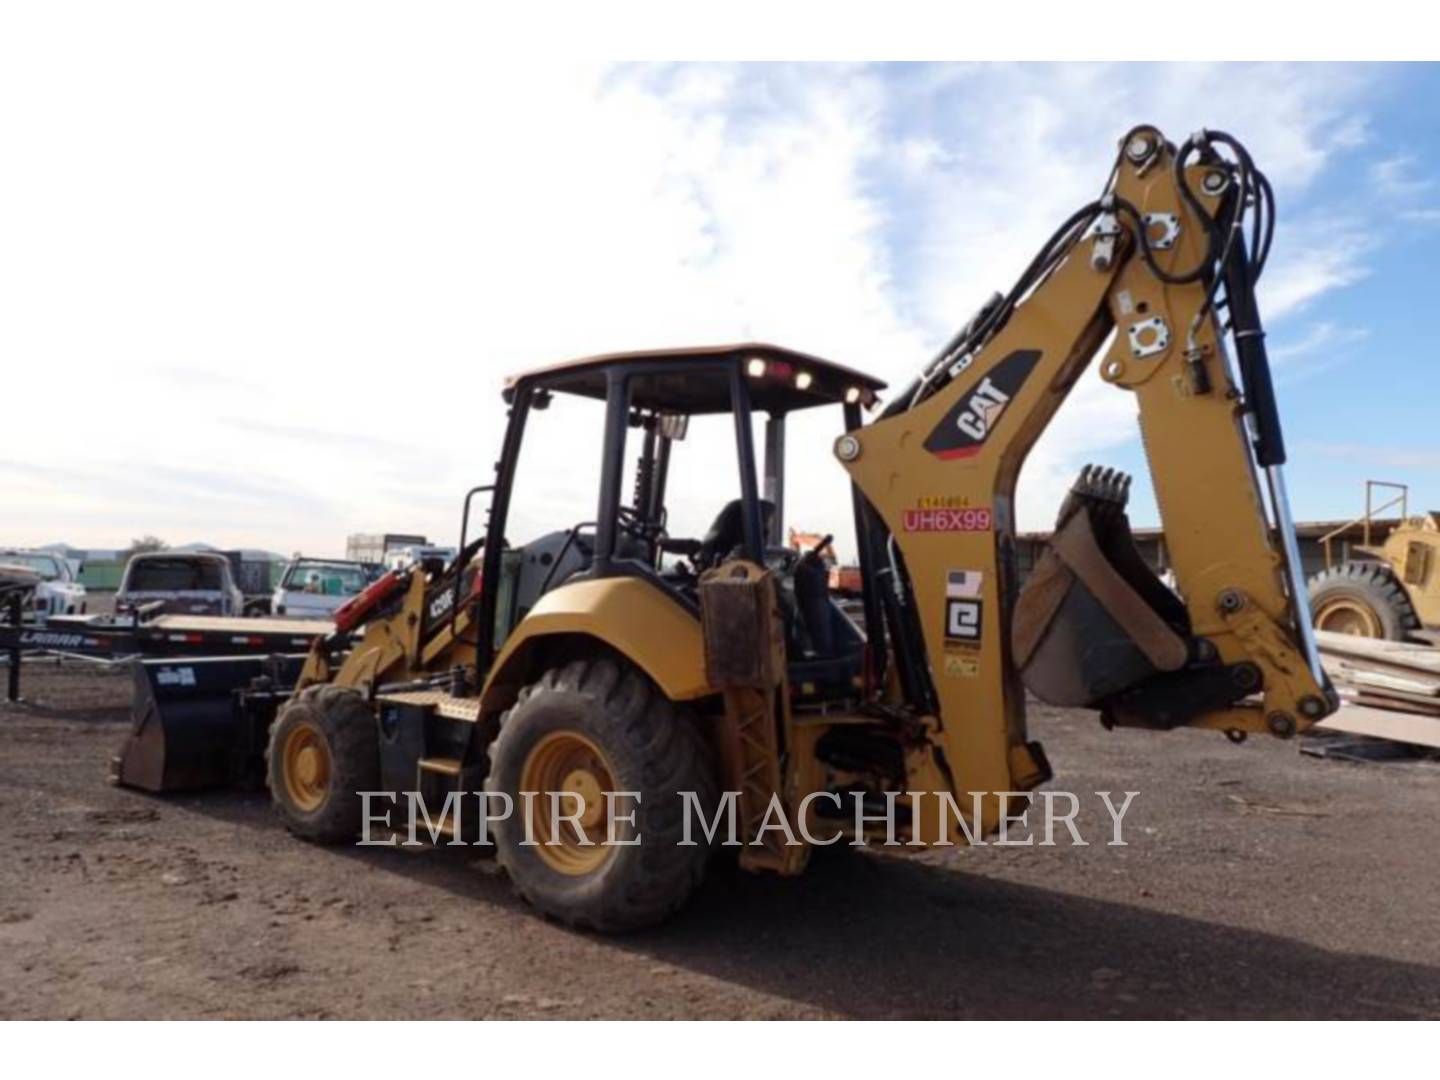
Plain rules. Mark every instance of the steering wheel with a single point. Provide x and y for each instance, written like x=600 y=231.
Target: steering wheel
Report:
x=630 y=521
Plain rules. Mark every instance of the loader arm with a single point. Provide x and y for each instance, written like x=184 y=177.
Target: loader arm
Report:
x=413 y=629
x=1142 y=267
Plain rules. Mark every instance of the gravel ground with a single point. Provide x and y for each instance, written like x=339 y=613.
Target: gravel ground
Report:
x=1257 y=882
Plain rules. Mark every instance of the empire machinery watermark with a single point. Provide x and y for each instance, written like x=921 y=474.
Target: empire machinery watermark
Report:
x=822 y=818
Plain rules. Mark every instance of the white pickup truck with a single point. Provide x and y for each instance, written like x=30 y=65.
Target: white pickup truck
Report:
x=58 y=591
x=315 y=588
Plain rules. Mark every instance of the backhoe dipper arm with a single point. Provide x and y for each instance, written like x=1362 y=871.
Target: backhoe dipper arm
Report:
x=1147 y=261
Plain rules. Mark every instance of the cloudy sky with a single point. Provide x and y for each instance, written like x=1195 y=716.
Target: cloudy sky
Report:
x=260 y=284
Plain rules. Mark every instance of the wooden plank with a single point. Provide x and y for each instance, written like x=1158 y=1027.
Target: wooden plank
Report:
x=205 y=624
x=1379 y=701
x=1391 y=653
x=1357 y=679
x=1381 y=680
x=1389 y=699
x=1384 y=724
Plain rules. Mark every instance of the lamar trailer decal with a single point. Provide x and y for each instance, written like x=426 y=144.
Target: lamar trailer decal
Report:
x=51 y=639
x=966 y=427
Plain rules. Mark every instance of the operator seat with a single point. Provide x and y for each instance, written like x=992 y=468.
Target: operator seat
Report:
x=727 y=532
x=824 y=648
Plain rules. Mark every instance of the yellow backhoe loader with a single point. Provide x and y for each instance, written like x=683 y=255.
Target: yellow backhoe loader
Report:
x=609 y=676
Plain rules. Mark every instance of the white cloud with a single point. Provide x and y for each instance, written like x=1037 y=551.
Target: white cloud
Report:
x=1311 y=258
x=1318 y=348
x=1394 y=177
x=359 y=229
x=1390 y=457
x=1319 y=337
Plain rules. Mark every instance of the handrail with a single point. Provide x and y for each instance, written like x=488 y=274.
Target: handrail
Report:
x=461 y=558
x=1371 y=511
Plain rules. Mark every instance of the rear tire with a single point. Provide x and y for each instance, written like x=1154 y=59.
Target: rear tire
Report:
x=324 y=748
x=1365 y=599
x=598 y=724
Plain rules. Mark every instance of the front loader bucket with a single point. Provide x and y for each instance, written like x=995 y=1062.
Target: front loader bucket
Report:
x=201 y=723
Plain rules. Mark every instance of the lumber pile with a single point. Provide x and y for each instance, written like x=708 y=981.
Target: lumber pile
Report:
x=1390 y=689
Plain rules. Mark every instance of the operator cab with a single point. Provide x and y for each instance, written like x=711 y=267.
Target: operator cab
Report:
x=666 y=519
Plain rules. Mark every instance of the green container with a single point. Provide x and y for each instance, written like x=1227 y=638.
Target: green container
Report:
x=102 y=575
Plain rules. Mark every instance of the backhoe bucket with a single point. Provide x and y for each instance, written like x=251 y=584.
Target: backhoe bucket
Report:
x=1093 y=620
x=201 y=723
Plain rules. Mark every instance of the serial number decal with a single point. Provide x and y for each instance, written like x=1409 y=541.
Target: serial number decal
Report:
x=942 y=502
x=968 y=519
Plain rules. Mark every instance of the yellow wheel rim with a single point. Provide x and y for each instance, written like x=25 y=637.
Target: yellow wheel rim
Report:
x=306 y=767
x=1342 y=616
x=565 y=761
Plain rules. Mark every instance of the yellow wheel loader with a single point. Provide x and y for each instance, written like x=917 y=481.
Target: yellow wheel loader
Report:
x=1387 y=590
x=627 y=677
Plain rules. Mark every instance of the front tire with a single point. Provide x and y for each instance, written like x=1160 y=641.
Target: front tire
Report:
x=1365 y=599
x=324 y=749
x=591 y=726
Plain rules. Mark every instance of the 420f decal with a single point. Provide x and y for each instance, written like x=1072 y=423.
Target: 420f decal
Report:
x=966 y=427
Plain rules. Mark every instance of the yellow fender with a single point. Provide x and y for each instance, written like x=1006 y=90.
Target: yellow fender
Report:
x=629 y=614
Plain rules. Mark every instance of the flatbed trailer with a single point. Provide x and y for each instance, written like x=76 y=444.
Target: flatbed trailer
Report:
x=111 y=639
x=205 y=687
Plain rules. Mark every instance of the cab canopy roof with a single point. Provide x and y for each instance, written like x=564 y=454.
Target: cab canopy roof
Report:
x=675 y=380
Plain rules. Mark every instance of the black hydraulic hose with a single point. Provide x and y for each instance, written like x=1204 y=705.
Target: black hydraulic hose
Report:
x=1060 y=241
x=1225 y=241
x=1142 y=233
x=1236 y=269
x=991 y=318
x=1267 y=199
x=1053 y=250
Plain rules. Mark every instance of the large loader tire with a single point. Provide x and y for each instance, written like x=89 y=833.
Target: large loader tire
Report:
x=324 y=748
x=1362 y=598
x=591 y=726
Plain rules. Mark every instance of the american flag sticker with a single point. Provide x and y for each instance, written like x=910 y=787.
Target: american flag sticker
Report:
x=963 y=584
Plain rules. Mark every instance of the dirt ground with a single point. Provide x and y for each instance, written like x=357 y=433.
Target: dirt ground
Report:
x=1257 y=882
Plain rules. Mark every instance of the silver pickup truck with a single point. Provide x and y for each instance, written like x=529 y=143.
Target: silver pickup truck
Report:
x=186 y=583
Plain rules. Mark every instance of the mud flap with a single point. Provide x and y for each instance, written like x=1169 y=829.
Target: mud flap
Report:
x=1093 y=620
x=201 y=723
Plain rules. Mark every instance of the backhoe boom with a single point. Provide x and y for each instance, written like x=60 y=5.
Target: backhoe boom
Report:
x=1142 y=267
